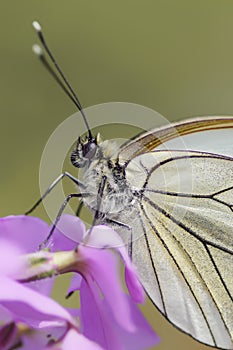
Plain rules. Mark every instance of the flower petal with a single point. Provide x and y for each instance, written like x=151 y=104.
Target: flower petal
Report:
x=75 y=283
x=29 y=306
x=8 y=333
x=103 y=267
x=99 y=329
x=73 y=341
x=104 y=237
x=143 y=335
x=10 y=262
x=39 y=338
x=26 y=232
x=21 y=235
x=103 y=328
x=68 y=233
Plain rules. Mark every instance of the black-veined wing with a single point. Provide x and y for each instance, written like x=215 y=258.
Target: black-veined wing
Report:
x=206 y=134
x=185 y=253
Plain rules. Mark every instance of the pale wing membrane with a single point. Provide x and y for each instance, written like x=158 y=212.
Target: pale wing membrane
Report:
x=214 y=141
x=184 y=135
x=186 y=212
x=185 y=276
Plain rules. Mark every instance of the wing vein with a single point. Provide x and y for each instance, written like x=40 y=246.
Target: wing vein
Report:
x=180 y=224
x=178 y=267
x=153 y=265
x=162 y=211
x=217 y=270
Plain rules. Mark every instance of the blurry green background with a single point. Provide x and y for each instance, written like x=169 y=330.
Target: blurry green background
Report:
x=174 y=56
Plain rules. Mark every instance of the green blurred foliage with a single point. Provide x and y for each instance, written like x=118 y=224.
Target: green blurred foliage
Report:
x=174 y=56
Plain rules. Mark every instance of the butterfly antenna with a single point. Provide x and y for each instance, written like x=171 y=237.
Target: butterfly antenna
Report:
x=66 y=86
x=39 y=53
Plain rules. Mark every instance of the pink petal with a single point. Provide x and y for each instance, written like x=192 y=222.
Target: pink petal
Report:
x=7 y=336
x=103 y=267
x=74 y=341
x=68 y=233
x=26 y=232
x=44 y=286
x=104 y=237
x=22 y=235
x=71 y=231
x=39 y=338
x=29 y=306
x=10 y=262
x=75 y=283
x=5 y=316
x=95 y=320
x=103 y=328
x=141 y=338
x=134 y=286
x=42 y=315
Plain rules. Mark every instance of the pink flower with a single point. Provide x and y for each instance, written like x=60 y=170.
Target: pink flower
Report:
x=109 y=317
x=29 y=318
x=74 y=341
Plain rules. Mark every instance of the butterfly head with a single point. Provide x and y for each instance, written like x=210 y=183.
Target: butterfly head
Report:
x=85 y=151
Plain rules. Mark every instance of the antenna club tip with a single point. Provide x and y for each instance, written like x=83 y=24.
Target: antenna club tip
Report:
x=37 y=50
x=36 y=25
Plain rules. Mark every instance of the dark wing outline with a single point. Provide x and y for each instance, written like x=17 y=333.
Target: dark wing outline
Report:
x=148 y=141
x=205 y=244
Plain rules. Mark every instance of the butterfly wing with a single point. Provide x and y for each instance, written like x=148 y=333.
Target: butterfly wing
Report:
x=185 y=252
x=210 y=134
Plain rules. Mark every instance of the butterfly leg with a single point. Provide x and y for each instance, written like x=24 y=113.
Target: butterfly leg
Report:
x=62 y=208
x=53 y=184
x=99 y=200
x=80 y=206
x=127 y=227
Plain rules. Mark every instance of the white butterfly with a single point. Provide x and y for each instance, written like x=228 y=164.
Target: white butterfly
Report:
x=179 y=205
x=169 y=193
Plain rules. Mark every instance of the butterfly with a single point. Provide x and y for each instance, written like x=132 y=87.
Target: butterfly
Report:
x=178 y=204
x=169 y=194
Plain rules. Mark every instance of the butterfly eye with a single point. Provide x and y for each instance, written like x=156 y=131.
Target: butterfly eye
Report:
x=89 y=149
x=84 y=153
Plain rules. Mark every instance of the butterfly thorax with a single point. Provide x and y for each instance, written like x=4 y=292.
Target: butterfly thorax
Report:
x=103 y=176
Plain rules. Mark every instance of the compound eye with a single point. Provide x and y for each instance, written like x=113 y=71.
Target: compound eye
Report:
x=89 y=150
x=84 y=153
